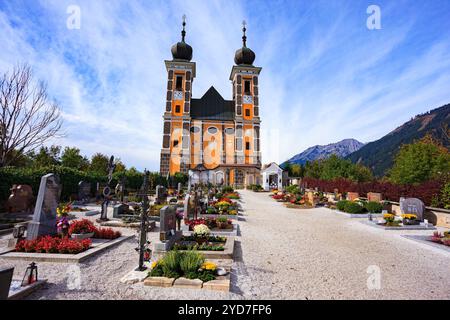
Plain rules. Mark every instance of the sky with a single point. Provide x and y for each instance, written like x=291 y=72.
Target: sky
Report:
x=325 y=75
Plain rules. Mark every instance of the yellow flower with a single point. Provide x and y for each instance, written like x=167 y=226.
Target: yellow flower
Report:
x=154 y=264
x=209 y=266
x=232 y=212
x=388 y=216
x=409 y=216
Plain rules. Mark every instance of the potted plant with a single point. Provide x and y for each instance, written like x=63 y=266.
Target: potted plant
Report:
x=82 y=229
x=62 y=222
x=201 y=233
x=410 y=219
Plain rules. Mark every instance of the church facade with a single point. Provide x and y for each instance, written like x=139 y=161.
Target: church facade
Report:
x=212 y=139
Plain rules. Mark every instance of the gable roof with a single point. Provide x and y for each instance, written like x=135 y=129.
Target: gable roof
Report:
x=212 y=107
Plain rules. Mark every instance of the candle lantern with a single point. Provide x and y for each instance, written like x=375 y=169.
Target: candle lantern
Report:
x=31 y=275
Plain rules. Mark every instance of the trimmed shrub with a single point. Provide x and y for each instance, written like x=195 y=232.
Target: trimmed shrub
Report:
x=373 y=207
x=353 y=207
x=341 y=205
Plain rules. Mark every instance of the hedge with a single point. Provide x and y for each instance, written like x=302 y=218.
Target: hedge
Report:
x=427 y=191
x=71 y=177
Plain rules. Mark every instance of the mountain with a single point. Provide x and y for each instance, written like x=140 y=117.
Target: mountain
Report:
x=378 y=155
x=341 y=149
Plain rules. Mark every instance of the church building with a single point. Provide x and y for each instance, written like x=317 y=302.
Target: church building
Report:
x=212 y=139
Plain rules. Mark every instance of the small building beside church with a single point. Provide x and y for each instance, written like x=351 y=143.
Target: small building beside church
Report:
x=273 y=177
x=212 y=139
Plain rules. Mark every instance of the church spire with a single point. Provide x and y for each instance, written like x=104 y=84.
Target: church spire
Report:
x=244 y=37
x=183 y=32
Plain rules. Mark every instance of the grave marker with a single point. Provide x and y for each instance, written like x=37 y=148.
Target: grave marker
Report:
x=374 y=196
x=44 y=218
x=412 y=206
x=21 y=199
x=84 y=191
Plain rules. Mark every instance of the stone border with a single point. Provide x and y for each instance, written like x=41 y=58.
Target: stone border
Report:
x=27 y=290
x=416 y=227
x=226 y=232
x=357 y=215
x=227 y=253
x=296 y=206
x=63 y=258
x=213 y=216
x=424 y=239
x=121 y=224
x=221 y=283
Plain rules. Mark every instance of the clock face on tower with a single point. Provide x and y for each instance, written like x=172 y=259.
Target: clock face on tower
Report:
x=177 y=95
x=247 y=99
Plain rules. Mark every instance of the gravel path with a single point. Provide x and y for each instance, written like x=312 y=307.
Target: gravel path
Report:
x=281 y=254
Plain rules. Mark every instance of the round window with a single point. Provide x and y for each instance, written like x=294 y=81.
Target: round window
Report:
x=229 y=130
x=212 y=130
x=195 y=129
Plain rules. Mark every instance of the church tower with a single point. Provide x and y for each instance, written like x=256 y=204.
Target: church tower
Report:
x=244 y=78
x=175 y=152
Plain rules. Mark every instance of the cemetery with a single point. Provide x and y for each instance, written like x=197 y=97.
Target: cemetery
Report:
x=183 y=245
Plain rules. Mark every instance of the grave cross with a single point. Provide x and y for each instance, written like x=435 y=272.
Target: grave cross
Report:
x=107 y=190
x=143 y=243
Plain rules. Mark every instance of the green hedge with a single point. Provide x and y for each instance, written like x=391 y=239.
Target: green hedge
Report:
x=69 y=179
x=373 y=207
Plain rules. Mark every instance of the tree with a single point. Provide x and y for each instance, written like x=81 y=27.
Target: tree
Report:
x=120 y=167
x=72 y=158
x=420 y=161
x=46 y=157
x=27 y=117
x=99 y=163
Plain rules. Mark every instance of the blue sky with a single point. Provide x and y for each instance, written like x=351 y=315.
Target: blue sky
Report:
x=325 y=76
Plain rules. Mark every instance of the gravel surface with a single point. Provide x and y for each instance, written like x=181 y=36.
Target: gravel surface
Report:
x=281 y=254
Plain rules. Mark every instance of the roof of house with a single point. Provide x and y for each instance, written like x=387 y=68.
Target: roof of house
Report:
x=212 y=107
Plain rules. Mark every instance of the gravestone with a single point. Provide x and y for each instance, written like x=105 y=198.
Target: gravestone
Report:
x=352 y=196
x=168 y=234
x=179 y=188
x=167 y=222
x=120 y=209
x=412 y=206
x=160 y=196
x=187 y=206
x=44 y=218
x=21 y=199
x=84 y=191
x=374 y=196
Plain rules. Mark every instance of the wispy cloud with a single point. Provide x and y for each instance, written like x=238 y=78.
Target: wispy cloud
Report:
x=325 y=75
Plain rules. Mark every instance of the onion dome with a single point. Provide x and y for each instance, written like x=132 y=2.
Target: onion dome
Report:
x=181 y=50
x=244 y=56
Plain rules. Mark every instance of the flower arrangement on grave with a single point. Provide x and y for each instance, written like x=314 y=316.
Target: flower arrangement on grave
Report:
x=190 y=264
x=201 y=233
x=83 y=226
x=49 y=244
x=232 y=195
x=62 y=220
x=223 y=223
x=389 y=217
x=440 y=238
x=410 y=219
x=86 y=227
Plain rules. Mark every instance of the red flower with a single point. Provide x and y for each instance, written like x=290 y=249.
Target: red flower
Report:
x=81 y=226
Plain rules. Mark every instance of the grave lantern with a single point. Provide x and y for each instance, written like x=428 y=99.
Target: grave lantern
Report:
x=31 y=275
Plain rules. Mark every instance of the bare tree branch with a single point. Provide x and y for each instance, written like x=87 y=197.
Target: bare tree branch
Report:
x=27 y=117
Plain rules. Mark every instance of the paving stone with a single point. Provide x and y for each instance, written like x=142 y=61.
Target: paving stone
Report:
x=188 y=283
x=159 y=281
